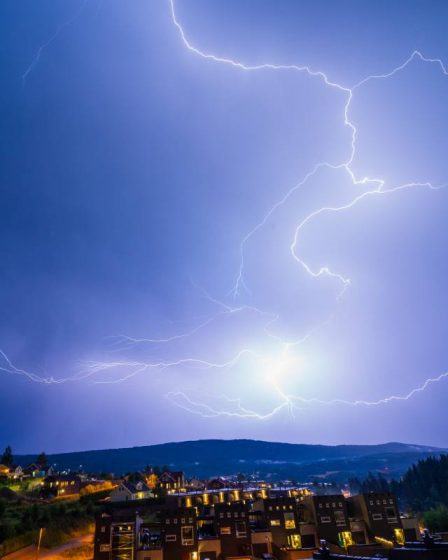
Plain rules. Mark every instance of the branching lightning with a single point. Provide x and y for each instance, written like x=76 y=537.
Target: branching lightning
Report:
x=106 y=372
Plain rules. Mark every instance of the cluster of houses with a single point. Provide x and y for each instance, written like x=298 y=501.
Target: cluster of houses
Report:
x=219 y=520
x=16 y=472
x=52 y=483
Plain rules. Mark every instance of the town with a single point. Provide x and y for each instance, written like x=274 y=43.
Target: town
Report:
x=161 y=514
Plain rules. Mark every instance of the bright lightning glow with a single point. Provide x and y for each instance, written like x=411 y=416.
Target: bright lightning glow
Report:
x=274 y=366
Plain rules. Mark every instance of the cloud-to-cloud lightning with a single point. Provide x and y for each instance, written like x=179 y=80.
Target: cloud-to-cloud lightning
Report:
x=369 y=187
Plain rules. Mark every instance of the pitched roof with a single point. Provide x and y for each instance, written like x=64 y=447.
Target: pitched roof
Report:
x=135 y=487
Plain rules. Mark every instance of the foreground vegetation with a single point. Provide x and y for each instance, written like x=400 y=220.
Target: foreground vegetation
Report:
x=423 y=490
x=20 y=524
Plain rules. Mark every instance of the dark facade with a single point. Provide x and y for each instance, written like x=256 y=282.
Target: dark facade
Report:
x=114 y=539
x=282 y=519
x=330 y=515
x=179 y=534
x=233 y=529
x=380 y=512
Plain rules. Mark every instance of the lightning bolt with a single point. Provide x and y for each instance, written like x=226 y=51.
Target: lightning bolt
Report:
x=44 y=46
x=106 y=372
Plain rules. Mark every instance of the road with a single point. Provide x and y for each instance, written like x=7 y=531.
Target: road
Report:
x=29 y=553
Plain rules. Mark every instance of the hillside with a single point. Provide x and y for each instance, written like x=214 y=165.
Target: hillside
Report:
x=206 y=458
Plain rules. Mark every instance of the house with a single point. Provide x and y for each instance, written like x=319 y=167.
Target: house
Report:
x=61 y=485
x=172 y=480
x=217 y=484
x=282 y=517
x=329 y=513
x=179 y=534
x=232 y=526
x=195 y=484
x=380 y=513
x=4 y=470
x=127 y=491
x=15 y=472
x=38 y=471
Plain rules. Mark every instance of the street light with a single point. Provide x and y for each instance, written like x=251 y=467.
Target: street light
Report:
x=39 y=540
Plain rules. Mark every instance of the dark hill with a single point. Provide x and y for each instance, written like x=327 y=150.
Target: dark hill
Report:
x=206 y=458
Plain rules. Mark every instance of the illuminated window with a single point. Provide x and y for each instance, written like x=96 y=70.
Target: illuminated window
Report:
x=399 y=535
x=294 y=541
x=175 y=520
x=290 y=522
x=377 y=516
x=187 y=535
x=226 y=531
x=241 y=530
x=325 y=519
x=339 y=517
x=275 y=522
x=345 y=539
x=170 y=538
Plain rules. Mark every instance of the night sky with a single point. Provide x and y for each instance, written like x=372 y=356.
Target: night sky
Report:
x=195 y=245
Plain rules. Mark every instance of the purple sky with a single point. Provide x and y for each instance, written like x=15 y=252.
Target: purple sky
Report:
x=226 y=221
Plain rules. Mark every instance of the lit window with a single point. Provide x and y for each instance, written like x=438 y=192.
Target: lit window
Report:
x=226 y=531
x=175 y=520
x=325 y=519
x=182 y=520
x=187 y=535
x=290 y=522
x=275 y=522
x=345 y=539
x=170 y=538
x=399 y=536
x=241 y=530
x=294 y=541
x=377 y=516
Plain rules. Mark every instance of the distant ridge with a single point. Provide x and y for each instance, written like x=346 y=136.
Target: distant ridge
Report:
x=205 y=458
